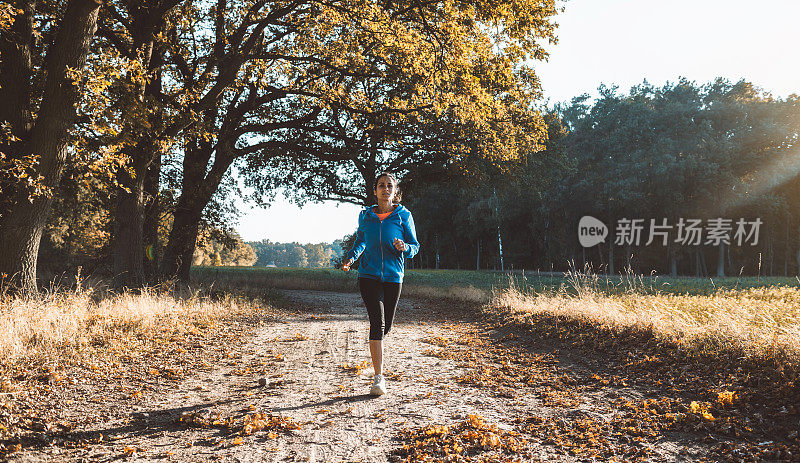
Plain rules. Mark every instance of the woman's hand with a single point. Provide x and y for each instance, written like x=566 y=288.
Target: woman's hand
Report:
x=346 y=265
x=400 y=245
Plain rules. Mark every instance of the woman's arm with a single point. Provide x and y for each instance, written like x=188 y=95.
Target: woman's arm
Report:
x=410 y=237
x=358 y=245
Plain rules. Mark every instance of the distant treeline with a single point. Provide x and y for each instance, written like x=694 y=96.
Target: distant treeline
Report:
x=295 y=254
x=681 y=151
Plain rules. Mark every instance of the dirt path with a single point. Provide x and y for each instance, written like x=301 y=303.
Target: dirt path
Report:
x=453 y=381
x=322 y=379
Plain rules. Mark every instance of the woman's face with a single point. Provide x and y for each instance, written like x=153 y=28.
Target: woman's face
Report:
x=385 y=189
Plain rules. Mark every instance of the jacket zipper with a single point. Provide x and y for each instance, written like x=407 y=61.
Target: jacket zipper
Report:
x=380 y=238
x=380 y=242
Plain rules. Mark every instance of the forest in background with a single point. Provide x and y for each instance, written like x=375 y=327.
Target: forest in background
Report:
x=312 y=255
x=720 y=149
x=683 y=150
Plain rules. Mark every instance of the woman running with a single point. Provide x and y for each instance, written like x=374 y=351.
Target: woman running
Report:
x=387 y=237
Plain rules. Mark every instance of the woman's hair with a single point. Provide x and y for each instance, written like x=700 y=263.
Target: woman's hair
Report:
x=398 y=195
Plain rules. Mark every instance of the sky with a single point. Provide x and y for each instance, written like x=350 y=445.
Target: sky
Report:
x=615 y=42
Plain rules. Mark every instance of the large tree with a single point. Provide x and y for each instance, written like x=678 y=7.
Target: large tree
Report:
x=184 y=55
x=298 y=91
x=42 y=45
x=254 y=102
x=423 y=85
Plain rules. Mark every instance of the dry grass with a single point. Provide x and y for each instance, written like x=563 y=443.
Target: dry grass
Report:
x=757 y=322
x=454 y=293
x=65 y=322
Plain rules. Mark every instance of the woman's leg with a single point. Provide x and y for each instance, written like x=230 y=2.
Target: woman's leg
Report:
x=372 y=293
x=389 y=300
x=376 y=352
x=391 y=296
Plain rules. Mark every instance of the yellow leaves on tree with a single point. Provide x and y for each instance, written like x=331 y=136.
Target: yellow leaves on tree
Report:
x=462 y=61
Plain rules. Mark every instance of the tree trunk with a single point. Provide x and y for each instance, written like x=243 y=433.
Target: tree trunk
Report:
x=128 y=241
x=197 y=188
x=731 y=267
x=628 y=266
x=798 y=263
x=152 y=182
x=455 y=254
x=610 y=257
x=786 y=250
x=436 y=237
x=697 y=266
x=127 y=244
x=151 y=220
x=478 y=263
x=23 y=222
x=673 y=261
x=703 y=262
x=182 y=241
x=600 y=255
x=771 y=250
x=500 y=247
x=721 y=260
x=21 y=230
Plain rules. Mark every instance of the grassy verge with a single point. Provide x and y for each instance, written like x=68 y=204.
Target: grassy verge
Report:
x=79 y=348
x=754 y=322
x=728 y=360
x=64 y=325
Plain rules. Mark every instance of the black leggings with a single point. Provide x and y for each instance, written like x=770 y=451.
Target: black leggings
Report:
x=381 y=299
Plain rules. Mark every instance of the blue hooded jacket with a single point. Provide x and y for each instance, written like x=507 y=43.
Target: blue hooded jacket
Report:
x=382 y=261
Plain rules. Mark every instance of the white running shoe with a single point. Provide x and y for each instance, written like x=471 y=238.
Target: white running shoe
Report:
x=378 y=385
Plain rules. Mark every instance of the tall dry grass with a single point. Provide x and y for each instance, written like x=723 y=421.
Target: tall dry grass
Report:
x=64 y=322
x=756 y=322
x=467 y=293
